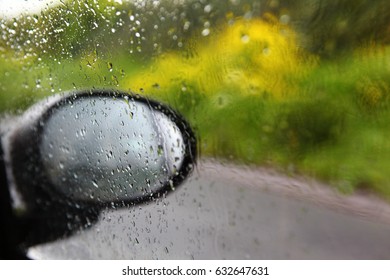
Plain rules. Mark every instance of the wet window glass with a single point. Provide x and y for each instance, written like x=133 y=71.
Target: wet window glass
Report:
x=197 y=129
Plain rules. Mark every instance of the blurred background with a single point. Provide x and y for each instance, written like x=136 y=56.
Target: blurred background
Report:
x=299 y=86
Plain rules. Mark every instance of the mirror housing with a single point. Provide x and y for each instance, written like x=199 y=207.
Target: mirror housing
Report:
x=79 y=152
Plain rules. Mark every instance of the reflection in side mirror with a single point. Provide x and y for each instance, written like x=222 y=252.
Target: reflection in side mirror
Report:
x=92 y=149
x=102 y=147
x=110 y=150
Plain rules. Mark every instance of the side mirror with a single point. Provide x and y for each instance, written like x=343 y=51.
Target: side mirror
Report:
x=77 y=153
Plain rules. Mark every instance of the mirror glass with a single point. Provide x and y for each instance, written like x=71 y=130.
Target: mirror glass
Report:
x=105 y=149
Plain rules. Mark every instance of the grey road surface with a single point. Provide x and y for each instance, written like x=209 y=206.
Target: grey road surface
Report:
x=230 y=212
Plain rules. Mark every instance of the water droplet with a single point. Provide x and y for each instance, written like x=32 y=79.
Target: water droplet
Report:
x=160 y=150
x=38 y=83
x=208 y=8
x=245 y=38
x=115 y=80
x=206 y=32
x=109 y=66
x=187 y=25
x=285 y=19
x=94 y=183
x=82 y=132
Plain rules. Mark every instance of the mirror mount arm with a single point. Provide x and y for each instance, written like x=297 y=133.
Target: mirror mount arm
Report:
x=10 y=235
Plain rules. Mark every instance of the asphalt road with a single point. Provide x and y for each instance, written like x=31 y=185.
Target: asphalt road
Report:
x=228 y=212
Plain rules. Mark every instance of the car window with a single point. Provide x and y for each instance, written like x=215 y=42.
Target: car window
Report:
x=288 y=102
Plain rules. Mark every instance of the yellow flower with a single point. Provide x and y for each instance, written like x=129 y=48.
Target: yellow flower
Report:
x=250 y=56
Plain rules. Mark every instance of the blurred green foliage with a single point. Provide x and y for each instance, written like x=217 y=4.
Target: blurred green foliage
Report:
x=302 y=86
